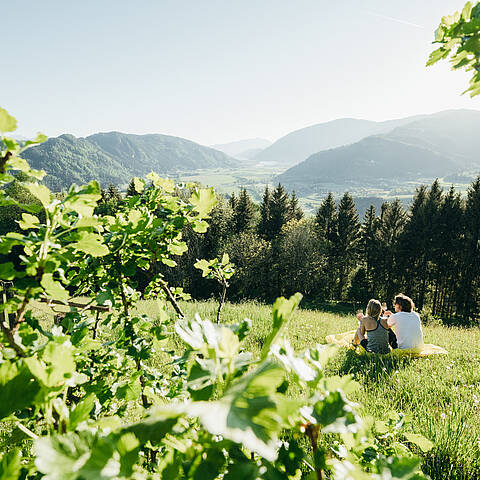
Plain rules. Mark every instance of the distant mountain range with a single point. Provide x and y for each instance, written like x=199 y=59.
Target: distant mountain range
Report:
x=341 y=152
x=243 y=149
x=427 y=147
x=117 y=157
x=300 y=144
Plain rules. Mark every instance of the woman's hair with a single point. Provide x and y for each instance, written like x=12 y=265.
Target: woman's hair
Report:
x=374 y=308
x=405 y=302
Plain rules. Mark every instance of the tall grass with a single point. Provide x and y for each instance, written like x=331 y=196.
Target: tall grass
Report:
x=440 y=394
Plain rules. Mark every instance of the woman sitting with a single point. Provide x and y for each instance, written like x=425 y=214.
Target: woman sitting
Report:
x=374 y=327
x=406 y=323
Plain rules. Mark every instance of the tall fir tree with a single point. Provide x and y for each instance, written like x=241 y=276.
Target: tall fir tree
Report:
x=413 y=245
x=326 y=233
x=295 y=212
x=390 y=227
x=131 y=190
x=469 y=301
x=113 y=193
x=369 y=250
x=447 y=264
x=279 y=212
x=264 y=223
x=347 y=245
x=243 y=213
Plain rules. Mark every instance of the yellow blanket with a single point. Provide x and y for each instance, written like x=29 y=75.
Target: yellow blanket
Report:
x=345 y=340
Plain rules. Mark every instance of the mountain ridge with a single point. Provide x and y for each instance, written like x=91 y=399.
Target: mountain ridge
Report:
x=115 y=157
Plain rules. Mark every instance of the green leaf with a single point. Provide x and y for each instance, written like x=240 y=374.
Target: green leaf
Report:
x=467 y=11
x=55 y=366
x=7 y=271
x=53 y=289
x=420 y=441
x=139 y=184
x=10 y=465
x=248 y=413
x=164 y=183
x=91 y=243
x=282 y=309
x=39 y=191
x=7 y=122
x=160 y=422
x=178 y=248
x=28 y=221
x=15 y=378
x=204 y=266
x=81 y=411
x=203 y=200
x=169 y=262
x=334 y=413
x=437 y=55
x=200 y=226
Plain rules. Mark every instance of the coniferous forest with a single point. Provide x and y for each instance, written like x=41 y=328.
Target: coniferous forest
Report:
x=429 y=250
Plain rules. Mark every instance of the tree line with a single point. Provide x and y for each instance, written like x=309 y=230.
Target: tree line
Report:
x=429 y=251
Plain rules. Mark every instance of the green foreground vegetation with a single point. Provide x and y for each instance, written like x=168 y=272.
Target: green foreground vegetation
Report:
x=440 y=395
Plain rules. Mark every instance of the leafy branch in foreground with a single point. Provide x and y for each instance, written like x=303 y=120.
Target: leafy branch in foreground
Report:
x=459 y=36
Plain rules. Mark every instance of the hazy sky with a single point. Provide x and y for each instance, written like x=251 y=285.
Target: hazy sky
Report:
x=220 y=70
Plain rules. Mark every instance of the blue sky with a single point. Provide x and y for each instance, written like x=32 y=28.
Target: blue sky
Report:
x=221 y=70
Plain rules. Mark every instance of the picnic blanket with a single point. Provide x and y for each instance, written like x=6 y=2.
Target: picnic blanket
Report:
x=345 y=340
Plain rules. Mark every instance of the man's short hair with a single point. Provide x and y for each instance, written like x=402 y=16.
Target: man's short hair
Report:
x=406 y=303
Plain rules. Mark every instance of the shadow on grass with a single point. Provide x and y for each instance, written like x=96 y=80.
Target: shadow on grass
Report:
x=367 y=367
x=339 y=308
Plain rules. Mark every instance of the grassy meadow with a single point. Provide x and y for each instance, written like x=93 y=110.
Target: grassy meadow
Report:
x=440 y=394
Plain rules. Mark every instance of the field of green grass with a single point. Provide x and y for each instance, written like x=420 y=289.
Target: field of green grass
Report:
x=440 y=394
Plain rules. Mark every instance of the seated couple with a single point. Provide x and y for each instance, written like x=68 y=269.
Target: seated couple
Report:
x=375 y=334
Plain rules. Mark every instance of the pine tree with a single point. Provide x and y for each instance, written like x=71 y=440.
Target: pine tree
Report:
x=369 y=249
x=447 y=264
x=325 y=219
x=279 y=212
x=412 y=244
x=326 y=232
x=113 y=193
x=232 y=201
x=390 y=227
x=264 y=224
x=347 y=245
x=469 y=301
x=131 y=191
x=295 y=212
x=243 y=213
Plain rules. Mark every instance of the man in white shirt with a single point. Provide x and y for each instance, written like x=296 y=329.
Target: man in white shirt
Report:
x=406 y=323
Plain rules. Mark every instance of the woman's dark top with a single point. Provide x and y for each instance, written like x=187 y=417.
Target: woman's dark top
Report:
x=378 y=339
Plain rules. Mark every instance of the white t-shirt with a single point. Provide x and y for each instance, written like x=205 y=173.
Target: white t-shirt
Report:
x=408 y=329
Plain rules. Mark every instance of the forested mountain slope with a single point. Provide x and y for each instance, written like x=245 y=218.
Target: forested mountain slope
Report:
x=369 y=161
x=117 y=157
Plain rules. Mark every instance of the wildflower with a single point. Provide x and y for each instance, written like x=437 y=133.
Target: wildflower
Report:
x=443 y=416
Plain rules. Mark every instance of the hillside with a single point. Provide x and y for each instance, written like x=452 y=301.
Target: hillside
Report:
x=117 y=157
x=370 y=161
x=300 y=144
x=433 y=146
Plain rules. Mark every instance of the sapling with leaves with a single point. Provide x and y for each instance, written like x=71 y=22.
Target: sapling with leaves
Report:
x=220 y=270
